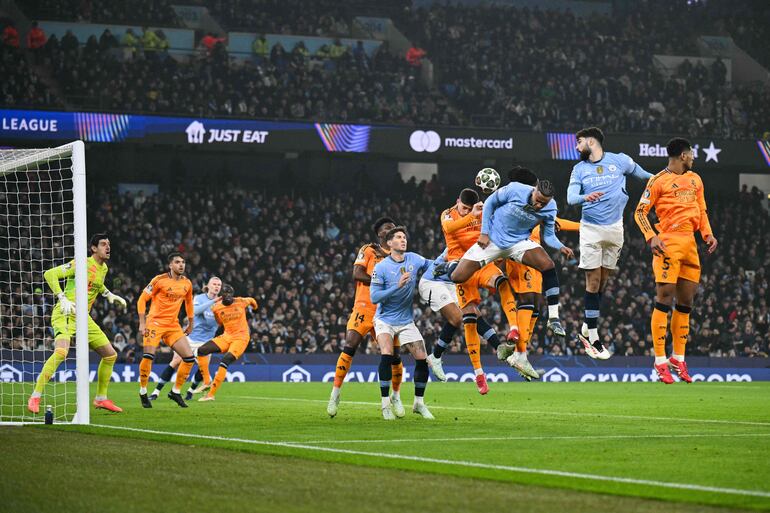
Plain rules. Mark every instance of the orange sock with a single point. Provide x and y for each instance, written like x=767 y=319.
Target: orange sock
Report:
x=524 y=316
x=508 y=302
x=181 y=375
x=203 y=365
x=659 y=326
x=398 y=375
x=343 y=366
x=680 y=328
x=145 y=367
x=472 y=341
x=218 y=379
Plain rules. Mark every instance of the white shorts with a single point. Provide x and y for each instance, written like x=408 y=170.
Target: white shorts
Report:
x=600 y=245
x=437 y=294
x=406 y=333
x=194 y=344
x=491 y=253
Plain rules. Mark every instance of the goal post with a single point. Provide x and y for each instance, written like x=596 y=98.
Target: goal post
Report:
x=43 y=224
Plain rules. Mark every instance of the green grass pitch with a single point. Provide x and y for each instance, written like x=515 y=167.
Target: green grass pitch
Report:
x=524 y=447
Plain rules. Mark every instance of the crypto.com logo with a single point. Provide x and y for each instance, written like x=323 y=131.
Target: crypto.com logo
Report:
x=421 y=140
x=195 y=132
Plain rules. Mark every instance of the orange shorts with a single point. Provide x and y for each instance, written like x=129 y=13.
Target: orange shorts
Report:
x=236 y=346
x=468 y=292
x=362 y=320
x=681 y=259
x=524 y=279
x=153 y=335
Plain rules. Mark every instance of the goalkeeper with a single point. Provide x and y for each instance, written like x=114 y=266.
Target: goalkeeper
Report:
x=63 y=322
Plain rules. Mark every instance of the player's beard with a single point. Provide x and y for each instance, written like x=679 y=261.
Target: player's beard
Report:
x=585 y=155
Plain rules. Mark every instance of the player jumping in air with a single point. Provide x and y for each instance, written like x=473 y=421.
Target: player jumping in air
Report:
x=392 y=287
x=461 y=225
x=510 y=215
x=63 y=322
x=166 y=292
x=361 y=321
x=231 y=315
x=205 y=328
x=598 y=183
x=676 y=193
x=527 y=283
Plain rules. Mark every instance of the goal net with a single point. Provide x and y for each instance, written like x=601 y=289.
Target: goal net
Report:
x=42 y=225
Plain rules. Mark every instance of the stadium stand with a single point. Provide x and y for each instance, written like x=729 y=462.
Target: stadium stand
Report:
x=298 y=266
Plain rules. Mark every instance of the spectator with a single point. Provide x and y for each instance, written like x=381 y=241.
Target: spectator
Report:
x=11 y=35
x=414 y=55
x=69 y=42
x=260 y=48
x=36 y=41
x=107 y=41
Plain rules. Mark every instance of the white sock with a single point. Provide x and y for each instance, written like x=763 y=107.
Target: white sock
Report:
x=335 y=393
x=418 y=400
x=593 y=335
x=660 y=359
x=176 y=389
x=396 y=394
x=514 y=327
x=679 y=357
x=142 y=390
x=155 y=392
x=386 y=402
x=478 y=371
x=553 y=312
x=100 y=398
x=36 y=394
x=519 y=355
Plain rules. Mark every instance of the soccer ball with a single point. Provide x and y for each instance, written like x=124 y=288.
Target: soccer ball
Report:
x=488 y=180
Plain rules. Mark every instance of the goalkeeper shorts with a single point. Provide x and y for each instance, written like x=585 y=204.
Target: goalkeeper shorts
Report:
x=64 y=327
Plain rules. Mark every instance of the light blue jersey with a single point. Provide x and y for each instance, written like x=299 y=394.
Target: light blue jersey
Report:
x=394 y=303
x=607 y=175
x=444 y=278
x=205 y=325
x=509 y=217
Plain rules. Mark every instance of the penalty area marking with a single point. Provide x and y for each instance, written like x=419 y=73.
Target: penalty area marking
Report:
x=526 y=412
x=455 y=463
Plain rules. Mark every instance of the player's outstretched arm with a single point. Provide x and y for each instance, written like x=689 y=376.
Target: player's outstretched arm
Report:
x=575 y=189
x=635 y=170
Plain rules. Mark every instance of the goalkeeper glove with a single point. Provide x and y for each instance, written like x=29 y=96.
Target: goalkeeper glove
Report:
x=114 y=298
x=67 y=306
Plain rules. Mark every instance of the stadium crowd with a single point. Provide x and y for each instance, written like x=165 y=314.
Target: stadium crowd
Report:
x=540 y=70
x=299 y=265
x=151 y=12
x=552 y=70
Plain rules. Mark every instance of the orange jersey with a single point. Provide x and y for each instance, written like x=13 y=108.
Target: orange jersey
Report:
x=565 y=225
x=679 y=205
x=166 y=295
x=460 y=232
x=368 y=256
x=233 y=317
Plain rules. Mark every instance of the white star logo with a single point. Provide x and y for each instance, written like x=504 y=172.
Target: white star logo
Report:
x=711 y=152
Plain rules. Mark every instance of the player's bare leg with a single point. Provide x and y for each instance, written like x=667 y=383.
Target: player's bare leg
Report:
x=104 y=373
x=680 y=326
x=166 y=375
x=596 y=280
x=664 y=297
x=539 y=259
x=353 y=340
x=417 y=350
x=385 y=372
